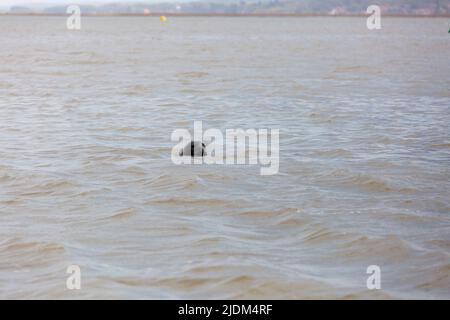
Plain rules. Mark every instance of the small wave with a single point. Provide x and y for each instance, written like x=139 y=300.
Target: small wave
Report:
x=365 y=182
x=324 y=117
x=370 y=183
x=184 y=282
x=368 y=295
x=135 y=90
x=268 y=288
x=11 y=202
x=293 y=222
x=440 y=146
x=209 y=240
x=185 y=201
x=130 y=129
x=90 y=62
x=439 y=278
x=332 y=153
x=193 y=74
x=47 y=188
x=6 y=178
x=166 y=182
x=321 y=235
x=358 y=68
x=240 y=280
x=15 y=245
x=123 y=214
x=136 y=170
x=6 y=85
x=390 y=247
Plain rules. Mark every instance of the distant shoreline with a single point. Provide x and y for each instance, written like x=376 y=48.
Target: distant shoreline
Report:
x=286 y=15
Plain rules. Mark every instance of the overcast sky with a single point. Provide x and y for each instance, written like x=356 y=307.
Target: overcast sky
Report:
x=6 y=4
x=23 y=2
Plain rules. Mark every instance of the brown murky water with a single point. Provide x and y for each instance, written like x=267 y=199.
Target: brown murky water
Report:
x=86 y=177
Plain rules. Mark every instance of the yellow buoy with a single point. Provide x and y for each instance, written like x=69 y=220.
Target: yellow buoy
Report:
x=163 y=18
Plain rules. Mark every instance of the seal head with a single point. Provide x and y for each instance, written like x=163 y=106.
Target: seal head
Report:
x=194 y=149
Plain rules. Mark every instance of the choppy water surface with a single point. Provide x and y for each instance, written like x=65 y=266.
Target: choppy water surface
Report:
x=86 y=176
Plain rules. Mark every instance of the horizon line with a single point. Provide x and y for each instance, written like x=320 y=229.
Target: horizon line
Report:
x=173 y=14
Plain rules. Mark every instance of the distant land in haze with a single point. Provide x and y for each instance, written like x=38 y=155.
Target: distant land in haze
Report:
x=240 y=7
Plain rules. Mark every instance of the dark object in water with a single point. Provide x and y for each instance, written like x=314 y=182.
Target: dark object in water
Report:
x=194 y=149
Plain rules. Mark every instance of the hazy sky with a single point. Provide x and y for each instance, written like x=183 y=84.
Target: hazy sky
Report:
x=5 y=4
x=21 y=2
